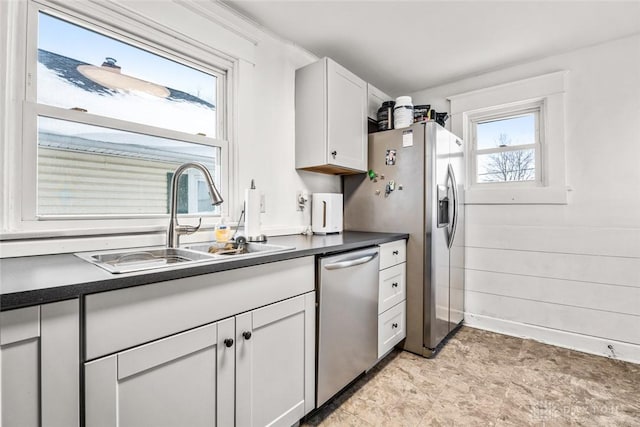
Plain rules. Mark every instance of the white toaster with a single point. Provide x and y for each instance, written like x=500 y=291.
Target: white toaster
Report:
x=326 y=213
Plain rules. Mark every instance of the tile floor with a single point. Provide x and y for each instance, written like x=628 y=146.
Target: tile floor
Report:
x=484 y=379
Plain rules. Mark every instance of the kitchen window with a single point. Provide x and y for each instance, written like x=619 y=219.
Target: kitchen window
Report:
x=505 y=148
x=109 y=115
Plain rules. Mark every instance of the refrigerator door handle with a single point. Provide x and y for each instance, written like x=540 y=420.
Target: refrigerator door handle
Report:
x=454 y=220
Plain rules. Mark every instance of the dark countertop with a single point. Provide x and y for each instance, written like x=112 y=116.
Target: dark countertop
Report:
x=33 y=280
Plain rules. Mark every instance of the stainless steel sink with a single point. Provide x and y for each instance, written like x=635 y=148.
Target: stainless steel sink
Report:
x=127 y=261
x=132 y=260
x=232 y=251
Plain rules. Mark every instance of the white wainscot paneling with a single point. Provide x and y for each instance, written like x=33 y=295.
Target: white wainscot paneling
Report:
x=586 y=268
x=601 y=324
x=622 y=242
x=595 y=296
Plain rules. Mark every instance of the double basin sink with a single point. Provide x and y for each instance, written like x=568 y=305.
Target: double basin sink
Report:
x=133 y=260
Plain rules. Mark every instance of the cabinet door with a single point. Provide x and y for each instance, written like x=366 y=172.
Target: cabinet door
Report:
x=375 y=98
x=347 y=118
x=19 y=339
x=185 y=379
x=39 y=348
x=275 y=363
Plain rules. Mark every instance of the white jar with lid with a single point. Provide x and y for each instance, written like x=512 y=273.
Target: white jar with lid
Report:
x=403 y=112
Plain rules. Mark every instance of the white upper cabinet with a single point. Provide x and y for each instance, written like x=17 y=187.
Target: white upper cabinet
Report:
x=375 y=98
x=331 y=119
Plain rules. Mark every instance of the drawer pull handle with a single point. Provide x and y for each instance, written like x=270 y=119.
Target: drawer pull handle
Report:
x=228 y=342
x=246 y=335
x=395 y=252
x=394 y=285
x=395 y=325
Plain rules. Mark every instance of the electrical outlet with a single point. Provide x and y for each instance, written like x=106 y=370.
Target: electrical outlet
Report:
x=263 y=206
x=302 y=197
x=299 y=205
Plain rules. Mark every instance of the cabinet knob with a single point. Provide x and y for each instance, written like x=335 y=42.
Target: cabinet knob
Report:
x=394 y=285
x=228 y=342
x=334 y=154
x=246 y=335
x=395 y=252
x=395 y=325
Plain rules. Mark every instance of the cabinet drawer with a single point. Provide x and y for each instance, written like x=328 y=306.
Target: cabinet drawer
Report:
x=391 y=328
x=392 y=253
x=393 y=287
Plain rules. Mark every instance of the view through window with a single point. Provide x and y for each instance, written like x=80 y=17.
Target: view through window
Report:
x=505 y=149
x=114 y=121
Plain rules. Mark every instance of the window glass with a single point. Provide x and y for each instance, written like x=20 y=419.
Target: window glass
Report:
x=503 y=166
x=506 y=132
x=505 y=148
x=91 y=170
x=80 y=68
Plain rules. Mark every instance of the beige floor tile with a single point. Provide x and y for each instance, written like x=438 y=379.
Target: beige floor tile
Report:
x=480 y=378
x=340 y=418
x=374 y=413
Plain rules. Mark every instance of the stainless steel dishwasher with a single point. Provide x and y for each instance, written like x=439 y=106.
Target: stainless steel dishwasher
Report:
x=347 y=319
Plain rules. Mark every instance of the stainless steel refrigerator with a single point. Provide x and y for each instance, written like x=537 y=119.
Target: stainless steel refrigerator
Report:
x=415 y=185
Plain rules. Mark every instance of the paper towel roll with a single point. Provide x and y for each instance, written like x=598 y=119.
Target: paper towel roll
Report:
x=251 y=212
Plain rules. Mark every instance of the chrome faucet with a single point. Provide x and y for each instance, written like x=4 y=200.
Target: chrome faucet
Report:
x=175 y=230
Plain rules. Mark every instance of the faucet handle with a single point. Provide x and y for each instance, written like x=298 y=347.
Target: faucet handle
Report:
x=189 y=229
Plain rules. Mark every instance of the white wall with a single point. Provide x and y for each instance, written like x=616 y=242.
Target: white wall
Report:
x=268 y=154
x=567 y=274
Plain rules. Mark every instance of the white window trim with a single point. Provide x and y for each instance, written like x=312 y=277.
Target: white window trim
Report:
x=17 y=212
x=547 y=91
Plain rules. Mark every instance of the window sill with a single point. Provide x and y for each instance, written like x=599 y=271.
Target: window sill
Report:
x=517 y=196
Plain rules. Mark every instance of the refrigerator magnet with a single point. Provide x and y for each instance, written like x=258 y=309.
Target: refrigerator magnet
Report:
x=390 y=158
x=407 y=138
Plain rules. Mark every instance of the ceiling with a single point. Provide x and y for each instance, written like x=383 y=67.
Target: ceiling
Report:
x=404 y=46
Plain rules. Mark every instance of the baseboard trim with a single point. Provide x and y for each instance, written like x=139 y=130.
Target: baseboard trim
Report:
x=584 y=343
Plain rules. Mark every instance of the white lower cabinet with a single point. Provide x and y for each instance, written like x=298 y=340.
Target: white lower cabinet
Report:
x=185 y=379
x=393 y=289
x=39 y=356
x=275 y=363
x=391 y=328
x=253 y=369
x=392 y=296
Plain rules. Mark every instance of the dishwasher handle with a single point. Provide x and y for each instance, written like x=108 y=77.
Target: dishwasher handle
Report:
x=351 y=262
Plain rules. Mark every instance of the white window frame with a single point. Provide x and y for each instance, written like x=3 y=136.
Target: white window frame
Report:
x=545 y=92
x=537 y=109
x=21 y=221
